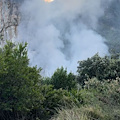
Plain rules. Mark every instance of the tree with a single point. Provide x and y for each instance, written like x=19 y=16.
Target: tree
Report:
x=61 y=79
x=107 y=67
x=19 y=83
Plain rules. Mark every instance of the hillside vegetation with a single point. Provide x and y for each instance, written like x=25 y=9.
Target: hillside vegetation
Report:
x=93 y=94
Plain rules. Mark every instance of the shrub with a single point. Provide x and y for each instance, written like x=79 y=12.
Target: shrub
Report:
x=54 y=99
x=60 y=79
x=19 y=83
x=83 y=113
x=101 y=68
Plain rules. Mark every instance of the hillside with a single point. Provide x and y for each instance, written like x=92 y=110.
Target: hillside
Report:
x=109 y=26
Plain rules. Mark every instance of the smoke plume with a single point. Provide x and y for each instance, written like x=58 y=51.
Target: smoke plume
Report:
x=62 y=32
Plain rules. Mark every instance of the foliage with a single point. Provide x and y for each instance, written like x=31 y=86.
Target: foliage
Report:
x=46 y=81
x=55 y=99
x=100 y=101
x=108 y=90
x=19 y=83
x=83 y=113
x=25 y=94
x=107 y=96
x=61 y=79
x=101 y=68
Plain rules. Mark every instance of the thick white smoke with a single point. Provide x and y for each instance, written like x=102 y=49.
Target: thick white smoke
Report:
x=62 y=32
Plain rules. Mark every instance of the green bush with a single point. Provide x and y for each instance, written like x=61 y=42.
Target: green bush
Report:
x=19 y=83
x=54 y=99
x=23 y=94
x=101 y=68
x=106 y=95
x=109 y=89
x=60 y=79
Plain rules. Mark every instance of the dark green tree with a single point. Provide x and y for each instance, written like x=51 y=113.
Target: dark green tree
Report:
x=61 y=79
x=19 y=83
x=100 y=67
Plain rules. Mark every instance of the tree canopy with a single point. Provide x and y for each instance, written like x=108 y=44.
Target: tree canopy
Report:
x=19 y=83
x=107 y=67
x=61 y=79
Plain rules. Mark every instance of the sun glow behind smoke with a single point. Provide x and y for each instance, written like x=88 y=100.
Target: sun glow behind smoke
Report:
x=48 y=0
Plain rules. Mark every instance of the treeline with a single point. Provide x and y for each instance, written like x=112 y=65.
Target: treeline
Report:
x=26 y=95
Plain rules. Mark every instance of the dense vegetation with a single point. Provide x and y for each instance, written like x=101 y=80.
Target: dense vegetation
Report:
x=25 y=95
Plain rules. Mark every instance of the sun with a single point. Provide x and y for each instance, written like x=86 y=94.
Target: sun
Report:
x=48 y=0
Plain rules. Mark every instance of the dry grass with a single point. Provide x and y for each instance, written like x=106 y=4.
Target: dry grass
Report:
x=83 y=113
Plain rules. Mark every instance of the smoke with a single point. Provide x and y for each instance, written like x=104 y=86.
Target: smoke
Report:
x=62 y=32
